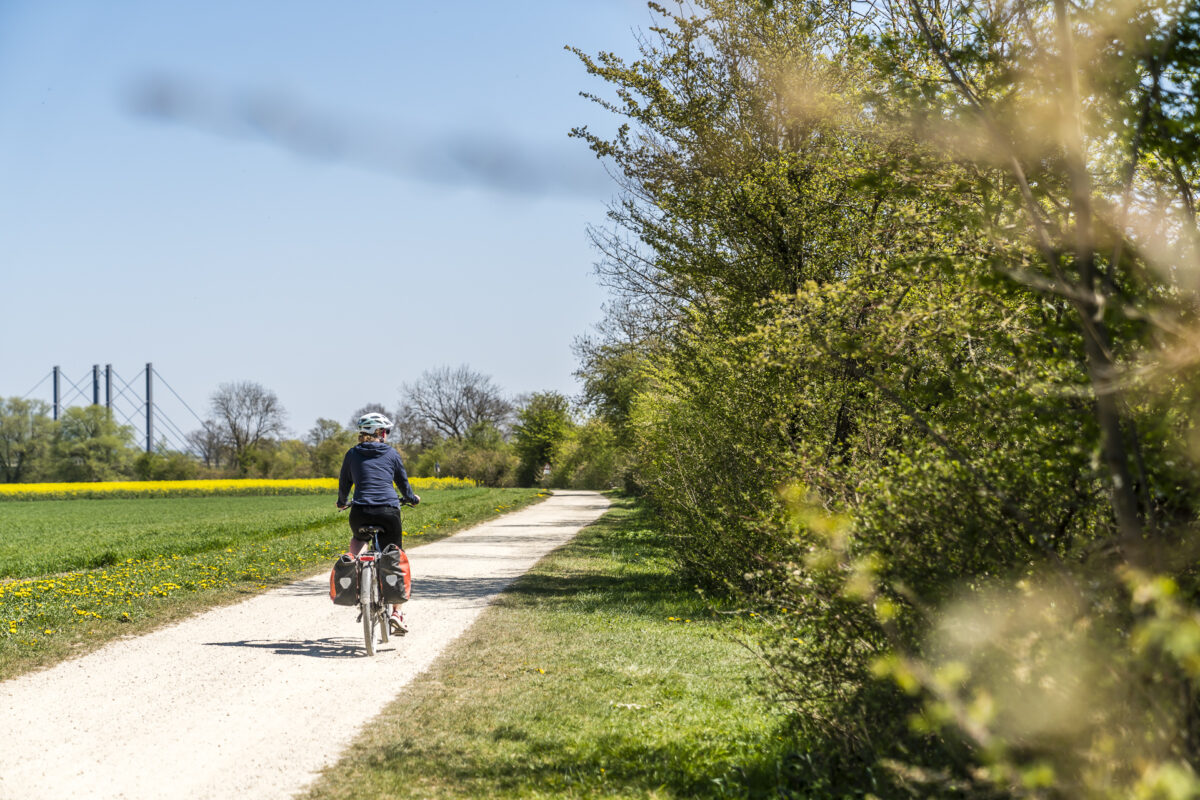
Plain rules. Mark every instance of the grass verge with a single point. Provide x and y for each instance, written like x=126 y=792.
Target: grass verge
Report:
x=245 y=546
x=596 y=675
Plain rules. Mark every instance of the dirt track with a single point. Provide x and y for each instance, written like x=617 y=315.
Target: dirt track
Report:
x=252 y=700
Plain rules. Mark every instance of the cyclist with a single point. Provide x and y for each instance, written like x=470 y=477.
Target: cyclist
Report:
x=374 y=469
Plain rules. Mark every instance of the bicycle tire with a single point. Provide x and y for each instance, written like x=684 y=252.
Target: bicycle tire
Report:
x=368 y=609
x=379 y=607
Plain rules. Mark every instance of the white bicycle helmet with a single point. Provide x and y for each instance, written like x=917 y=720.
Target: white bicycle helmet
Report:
x=373 y=422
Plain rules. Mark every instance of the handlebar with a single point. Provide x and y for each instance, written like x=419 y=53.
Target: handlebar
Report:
x=402 y=504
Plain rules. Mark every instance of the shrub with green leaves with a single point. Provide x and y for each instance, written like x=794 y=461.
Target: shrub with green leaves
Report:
x=926 y=271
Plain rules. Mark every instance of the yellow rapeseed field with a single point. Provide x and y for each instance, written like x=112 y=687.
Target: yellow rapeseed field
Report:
x=201 y=488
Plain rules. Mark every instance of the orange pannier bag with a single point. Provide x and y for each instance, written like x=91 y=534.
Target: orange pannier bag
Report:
x=343 y=581
x=395 y=575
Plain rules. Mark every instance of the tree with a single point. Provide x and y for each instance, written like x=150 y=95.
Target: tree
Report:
x=25 y=431
x=542 y=424
x=246 y=414
x=413 y=432
x=911 y=288
x=90 y=446
x=613 y=372
x=210 y=443
x=589 y=458
x=164 y=466
x=1080 y=117
x=482 y=455
x=328 y=442
x=280 y=458
x=455 y=400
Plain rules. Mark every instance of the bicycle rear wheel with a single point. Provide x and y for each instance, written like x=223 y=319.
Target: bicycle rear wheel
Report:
x=368 y=608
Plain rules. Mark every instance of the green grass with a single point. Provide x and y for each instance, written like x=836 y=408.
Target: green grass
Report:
x=54 y=536
x=167 y=558
x=596 y=675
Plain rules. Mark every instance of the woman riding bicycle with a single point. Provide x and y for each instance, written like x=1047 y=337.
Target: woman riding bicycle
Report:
x=374 y=469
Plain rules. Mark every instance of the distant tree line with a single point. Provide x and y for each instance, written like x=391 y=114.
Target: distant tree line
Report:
x=245 y=436
x=452 y=422
x=455 y=422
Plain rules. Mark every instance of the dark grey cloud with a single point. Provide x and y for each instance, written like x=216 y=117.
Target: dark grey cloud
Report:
x=470 y=158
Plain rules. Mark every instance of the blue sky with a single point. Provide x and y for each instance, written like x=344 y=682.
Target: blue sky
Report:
x=324 y=198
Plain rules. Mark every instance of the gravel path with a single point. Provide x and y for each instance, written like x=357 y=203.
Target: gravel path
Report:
x=253 y=700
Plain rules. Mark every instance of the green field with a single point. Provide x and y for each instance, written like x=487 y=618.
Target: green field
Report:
x=76 y=573
x=53 y=536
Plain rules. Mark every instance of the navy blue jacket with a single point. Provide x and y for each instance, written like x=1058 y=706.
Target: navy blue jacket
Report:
x=372 y=467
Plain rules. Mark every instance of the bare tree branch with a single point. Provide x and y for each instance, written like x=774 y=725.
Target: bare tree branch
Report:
x=454 y=400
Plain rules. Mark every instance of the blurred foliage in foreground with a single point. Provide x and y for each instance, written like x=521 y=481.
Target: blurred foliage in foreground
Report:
x=903 y=348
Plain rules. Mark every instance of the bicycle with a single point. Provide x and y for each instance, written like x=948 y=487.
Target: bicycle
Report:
x=372 y=610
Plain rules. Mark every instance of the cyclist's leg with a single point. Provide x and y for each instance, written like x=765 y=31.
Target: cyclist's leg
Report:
x=358 y=519
x=393 y=533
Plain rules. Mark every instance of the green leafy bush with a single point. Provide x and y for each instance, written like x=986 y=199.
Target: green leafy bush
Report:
x=905 y=290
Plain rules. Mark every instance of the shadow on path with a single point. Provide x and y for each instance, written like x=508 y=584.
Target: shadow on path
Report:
x=447 y=588
x=497 y=537
x=315 y=648
x=554 y=523
x=305 y=589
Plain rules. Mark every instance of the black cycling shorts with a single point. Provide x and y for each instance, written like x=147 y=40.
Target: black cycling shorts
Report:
x=386 y=517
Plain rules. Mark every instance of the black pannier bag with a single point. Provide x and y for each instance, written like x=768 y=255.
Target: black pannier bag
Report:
x=343 y=581
x=395 y=576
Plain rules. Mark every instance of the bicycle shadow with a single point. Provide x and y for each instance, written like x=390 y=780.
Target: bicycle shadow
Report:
x=314 y=648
